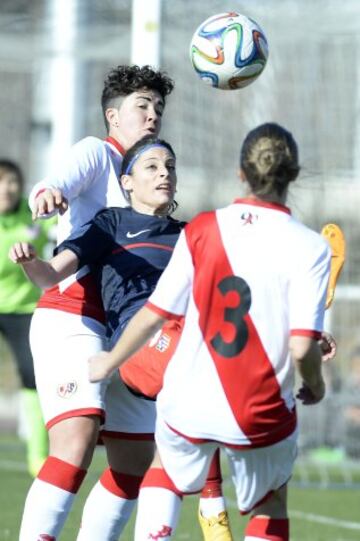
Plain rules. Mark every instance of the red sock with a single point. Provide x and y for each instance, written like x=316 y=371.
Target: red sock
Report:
x=212 y=487
x=61 y=474
x=270 y=529
x=121 y=484
x=49 y=499
x=157 y=477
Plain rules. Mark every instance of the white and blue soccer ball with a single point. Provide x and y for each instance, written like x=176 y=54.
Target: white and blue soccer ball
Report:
x=229 y=51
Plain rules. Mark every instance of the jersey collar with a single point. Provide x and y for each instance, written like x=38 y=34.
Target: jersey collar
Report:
x=261 y=203
x=116 y=144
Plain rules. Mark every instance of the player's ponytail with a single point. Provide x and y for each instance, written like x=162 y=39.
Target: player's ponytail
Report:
x=269 y=159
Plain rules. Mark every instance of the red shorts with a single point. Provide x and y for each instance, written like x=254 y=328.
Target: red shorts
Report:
x=144 y=371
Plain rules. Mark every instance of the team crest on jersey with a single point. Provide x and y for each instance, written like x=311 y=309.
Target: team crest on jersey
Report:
x=65 y=390
x=248 y=218
x=165 y=531
x=163 y=343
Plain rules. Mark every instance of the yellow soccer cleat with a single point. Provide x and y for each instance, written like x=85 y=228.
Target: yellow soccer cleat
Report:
x=215 y=528
x=335 y=237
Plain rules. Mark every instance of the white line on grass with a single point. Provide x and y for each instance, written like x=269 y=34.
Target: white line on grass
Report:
x=310 y=517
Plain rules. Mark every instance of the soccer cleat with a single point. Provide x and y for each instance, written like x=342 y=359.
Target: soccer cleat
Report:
x=335 y=237
x=215 y=528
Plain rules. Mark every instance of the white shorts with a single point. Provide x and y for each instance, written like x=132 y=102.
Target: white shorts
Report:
x=127 y=413
x=255 y=472
x=61 y=344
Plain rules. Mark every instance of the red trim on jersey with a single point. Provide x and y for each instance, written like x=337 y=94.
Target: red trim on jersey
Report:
x=306 y=332
x=122 y=485
x=81 y=412
x=163 y=313
x=238 y=446
x=39 y=192
x=61 y=474
x=157 y=477
x=260 y=203
x=116 y=144
x=269 y=529
x=143 y=245
x=81 y=297
x=139 y=436
x=248 y=377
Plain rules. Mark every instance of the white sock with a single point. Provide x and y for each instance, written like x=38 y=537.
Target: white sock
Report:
x=158 y=514
x=211 y=507
x=105 y=515
x=46 y=509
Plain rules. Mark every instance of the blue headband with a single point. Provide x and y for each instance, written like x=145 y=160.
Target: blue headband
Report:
x=138 y=154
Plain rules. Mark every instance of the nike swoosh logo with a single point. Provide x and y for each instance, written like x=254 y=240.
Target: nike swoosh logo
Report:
x=132 y=235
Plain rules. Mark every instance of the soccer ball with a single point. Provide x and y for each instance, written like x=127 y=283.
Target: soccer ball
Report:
x=229 y=51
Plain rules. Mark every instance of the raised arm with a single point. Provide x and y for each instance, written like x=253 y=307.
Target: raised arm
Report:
x=55 y=193
x=47 y=202
x=43 y=274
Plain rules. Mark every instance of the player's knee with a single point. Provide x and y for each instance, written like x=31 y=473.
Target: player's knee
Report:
x=131 y=457
x=74 y=440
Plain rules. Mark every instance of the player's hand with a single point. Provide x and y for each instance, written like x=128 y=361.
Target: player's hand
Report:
x=328 y=346
x=100 y=367
x=22 y=253
x=48 y=202
x=308 y=396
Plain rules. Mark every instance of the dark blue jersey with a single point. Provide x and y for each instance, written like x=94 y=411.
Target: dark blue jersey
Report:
x=127 y=252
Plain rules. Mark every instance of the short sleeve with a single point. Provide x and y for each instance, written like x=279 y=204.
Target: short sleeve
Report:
x=307 y=291
x=171 y=296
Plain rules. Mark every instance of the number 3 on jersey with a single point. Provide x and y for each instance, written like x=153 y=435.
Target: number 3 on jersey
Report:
x=234 y=315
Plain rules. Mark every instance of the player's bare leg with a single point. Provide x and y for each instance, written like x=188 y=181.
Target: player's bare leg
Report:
x=49 y=500
x=113 y=498
x=213 y=517
x=270 y=520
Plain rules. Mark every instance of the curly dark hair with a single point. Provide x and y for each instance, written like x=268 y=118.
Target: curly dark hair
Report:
x=124 y=80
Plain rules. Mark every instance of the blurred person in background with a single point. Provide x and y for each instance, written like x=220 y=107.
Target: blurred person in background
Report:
x=18 y=298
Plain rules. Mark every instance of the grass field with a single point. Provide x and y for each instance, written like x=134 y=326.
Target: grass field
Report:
x=317 y=514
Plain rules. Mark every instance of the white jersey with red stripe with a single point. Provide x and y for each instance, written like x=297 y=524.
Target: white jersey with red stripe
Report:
x=246 y=277
x=90 y=182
